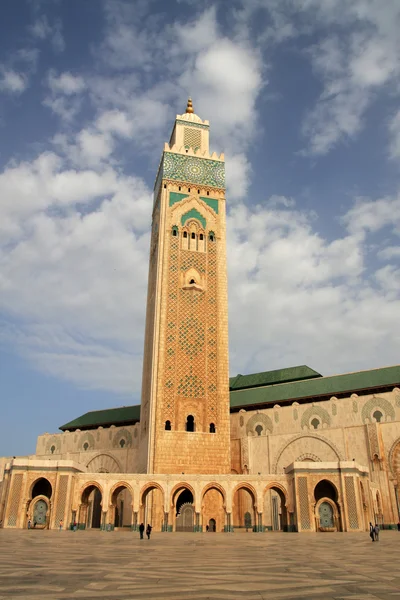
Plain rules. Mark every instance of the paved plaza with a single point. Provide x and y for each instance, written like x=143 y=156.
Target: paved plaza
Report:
x=116 y=565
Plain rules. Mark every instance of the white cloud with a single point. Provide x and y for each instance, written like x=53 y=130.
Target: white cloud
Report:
x=74 y=231
x=42 y=30
x=11 y=81
x=66 y=83
x=355 y=53
x=371 y=216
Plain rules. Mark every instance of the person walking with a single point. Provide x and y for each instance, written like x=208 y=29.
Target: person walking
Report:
x=376 y=531
x=371 y=531
x=148 y=531
x=141 y=530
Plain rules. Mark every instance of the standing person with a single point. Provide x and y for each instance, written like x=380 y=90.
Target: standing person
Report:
x=29 y=523
x=371 y=531
x=141 y=530
x=74 y=525
x=376 y=531
x=148 y=530
x=61 y=524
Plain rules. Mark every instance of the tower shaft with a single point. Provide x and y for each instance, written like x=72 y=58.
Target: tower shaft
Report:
x=185 y=388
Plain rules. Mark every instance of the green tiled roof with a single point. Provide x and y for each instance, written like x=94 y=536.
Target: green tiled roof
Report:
x=316 y=388
x=241 y=382
x=271 y=387
x=125 y=415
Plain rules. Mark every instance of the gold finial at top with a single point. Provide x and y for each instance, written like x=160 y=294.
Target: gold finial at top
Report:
x=189 y=108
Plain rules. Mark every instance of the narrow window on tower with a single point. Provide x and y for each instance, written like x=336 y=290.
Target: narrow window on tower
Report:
x=185 y=234
x=174 y=231
x=212 y=428
x=211 y=236
x=167 y=425
x=190 y=425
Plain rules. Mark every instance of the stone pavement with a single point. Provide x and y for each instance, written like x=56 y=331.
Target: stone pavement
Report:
x=52 y=565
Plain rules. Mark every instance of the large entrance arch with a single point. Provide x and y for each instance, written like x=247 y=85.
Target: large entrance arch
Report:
x=121 y=510
x=90 y=508
x=327 y=513
x=183 y=507
x=40 y=506
x=275 y=514
x=213 y=508
x=151 y=509
x=244 y=509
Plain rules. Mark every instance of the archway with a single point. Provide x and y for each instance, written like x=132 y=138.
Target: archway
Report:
x=327 y=514
x=90 y=509
x=244 y=509
x=151 y=510
x=121 y=500
x=213 y=508
x=183 y=505
x=42 y=487
x=275 y=513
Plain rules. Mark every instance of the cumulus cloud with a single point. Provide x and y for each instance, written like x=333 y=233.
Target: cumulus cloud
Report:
x=74 y=230
x=354 y=52
x=42 y=29
x=11 y=81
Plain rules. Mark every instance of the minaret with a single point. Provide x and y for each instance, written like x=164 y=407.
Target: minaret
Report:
x=185 y=388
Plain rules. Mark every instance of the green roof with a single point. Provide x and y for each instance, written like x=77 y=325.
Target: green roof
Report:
x=271 y=387
x=241 y=382
x=317 y=388
x=125 y=415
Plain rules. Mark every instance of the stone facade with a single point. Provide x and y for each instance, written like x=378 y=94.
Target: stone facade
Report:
x=195 y=461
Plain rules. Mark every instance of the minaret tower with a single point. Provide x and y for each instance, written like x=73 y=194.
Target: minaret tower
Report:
x=185 y=388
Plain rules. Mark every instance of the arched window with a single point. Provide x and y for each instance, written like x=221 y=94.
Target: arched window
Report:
x=192 y=281
x=167 y=425
x=211 y=237
x=193 y=236
x=190 y=423
x=315 y=423
x=85 y=446
x=122 y=443
x=201 y=236
x=378 y=416
x=259 y=429
x=52 y=449
x=212 y=428
x=174 y=232
x=185 y=234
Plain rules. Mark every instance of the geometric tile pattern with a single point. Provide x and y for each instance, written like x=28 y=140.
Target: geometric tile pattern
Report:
x=95 y=565
x=351 y=502
x=191 y=340
x=62 y=497
x=14 y=502
x=304 y=503
x=193 y=170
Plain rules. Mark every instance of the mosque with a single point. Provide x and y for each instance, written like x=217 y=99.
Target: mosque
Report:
x=286 y=450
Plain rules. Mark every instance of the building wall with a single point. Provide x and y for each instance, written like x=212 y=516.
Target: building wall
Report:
x=110 y=450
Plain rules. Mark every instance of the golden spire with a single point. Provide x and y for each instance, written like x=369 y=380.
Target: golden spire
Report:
x=189 y=108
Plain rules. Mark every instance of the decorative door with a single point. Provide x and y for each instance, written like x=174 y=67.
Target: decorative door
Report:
x=326 y=515
x=39 y=513
x=185 y=518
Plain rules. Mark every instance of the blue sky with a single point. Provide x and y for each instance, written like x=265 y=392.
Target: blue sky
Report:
x=303 y=96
